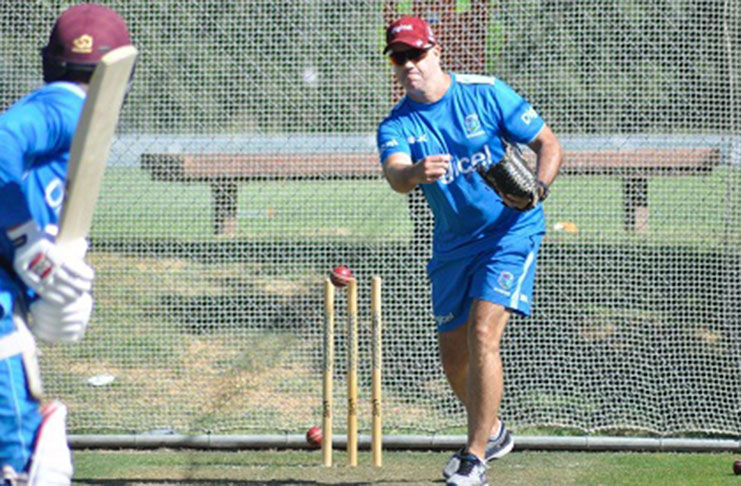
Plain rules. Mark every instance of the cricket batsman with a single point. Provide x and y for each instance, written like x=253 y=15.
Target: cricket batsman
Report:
x=42 y=287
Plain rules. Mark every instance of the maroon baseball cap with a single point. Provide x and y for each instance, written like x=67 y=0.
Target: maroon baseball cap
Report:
x=85 y=33
x=412 y=31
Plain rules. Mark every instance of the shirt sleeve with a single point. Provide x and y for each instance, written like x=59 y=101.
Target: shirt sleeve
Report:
x=26 y=131
x=390 y=140
x=519 y=120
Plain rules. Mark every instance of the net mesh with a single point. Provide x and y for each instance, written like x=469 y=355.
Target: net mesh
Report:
x=245 y=169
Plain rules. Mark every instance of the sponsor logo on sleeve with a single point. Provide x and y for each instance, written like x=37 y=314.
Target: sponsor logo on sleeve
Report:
x=421 y=139
x=529 y=116
x=389 y=144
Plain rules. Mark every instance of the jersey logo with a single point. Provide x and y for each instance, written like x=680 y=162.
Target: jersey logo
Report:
x=54 y=194
x=389 y=144
x=467 y=165
x=473 y=126
x=421 y=139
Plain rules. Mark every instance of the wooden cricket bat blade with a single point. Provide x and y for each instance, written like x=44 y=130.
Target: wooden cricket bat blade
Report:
x=92 y=142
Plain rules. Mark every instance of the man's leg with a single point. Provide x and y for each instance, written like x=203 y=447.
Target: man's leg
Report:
x=485 y=377
x=20 y=416
x=453 y=346
x=33 y=443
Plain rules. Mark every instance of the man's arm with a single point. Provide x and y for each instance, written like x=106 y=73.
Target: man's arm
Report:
x=550 y=155
x=14 y=208
x=404 y=175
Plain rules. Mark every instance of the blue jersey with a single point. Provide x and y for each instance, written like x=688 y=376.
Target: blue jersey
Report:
x=35 y=138
x=469 y=123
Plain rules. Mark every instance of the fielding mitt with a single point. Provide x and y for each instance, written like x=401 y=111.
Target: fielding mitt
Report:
x=513 y=180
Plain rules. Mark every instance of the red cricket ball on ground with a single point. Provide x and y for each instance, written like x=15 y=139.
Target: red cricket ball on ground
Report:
x=340 y=276
x=737 y=467
x=314 y=437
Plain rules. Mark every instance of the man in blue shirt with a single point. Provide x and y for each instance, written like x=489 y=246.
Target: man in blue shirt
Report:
x=483 y=263
x=38 y=279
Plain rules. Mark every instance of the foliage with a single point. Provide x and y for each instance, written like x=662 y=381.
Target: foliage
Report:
x=213 y=66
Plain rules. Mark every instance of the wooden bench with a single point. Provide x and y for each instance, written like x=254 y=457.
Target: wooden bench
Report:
x=224 y=171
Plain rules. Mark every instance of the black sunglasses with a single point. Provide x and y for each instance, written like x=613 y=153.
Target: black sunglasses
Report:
x=414 y=55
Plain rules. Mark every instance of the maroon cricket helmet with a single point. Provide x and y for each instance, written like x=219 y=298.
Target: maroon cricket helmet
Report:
x=412 y=31
x=80 y=37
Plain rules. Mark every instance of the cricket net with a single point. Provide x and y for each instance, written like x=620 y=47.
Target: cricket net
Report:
x=209 y=274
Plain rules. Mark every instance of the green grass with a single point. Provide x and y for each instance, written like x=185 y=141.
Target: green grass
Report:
x=690 y=210
x=227 y=341
x=133 y=206
x=696 y=210
x=190 y=467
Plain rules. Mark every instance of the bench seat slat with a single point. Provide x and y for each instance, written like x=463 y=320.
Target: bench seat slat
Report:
x=212 y=167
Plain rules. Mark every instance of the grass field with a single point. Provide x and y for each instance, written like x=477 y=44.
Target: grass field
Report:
x=200 y=468
x=698 y=210
x=209 y=334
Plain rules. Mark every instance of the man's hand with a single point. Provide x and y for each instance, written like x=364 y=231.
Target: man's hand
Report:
x=404 y=175
x=431 y=168
x=55 y=275
x=65 y=323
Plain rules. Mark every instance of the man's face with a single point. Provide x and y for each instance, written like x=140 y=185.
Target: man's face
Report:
x=414 y=67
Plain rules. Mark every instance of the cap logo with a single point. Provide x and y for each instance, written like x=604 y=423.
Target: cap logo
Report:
x=83 y=44
x=401 y=27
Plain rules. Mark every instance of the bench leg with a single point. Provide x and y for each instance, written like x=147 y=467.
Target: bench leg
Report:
x=224 y=196
x=635 y=202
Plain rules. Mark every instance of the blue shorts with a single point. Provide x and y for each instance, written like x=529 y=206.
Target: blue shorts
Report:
x=20 y=415
x=504 y=275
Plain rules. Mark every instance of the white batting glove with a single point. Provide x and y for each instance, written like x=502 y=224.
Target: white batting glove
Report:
x=54 y=323
x=59 y=276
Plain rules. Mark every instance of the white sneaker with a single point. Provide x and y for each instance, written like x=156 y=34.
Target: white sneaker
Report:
x=471 y=472
x=499 y=445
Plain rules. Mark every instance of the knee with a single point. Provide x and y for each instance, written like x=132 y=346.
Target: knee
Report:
x=484 y=338
x=486 y=326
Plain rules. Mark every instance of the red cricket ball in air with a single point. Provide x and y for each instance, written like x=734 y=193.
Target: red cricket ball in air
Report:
x=340 y=276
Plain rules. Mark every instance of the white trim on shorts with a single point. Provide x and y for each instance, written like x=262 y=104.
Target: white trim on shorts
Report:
x=514 y=301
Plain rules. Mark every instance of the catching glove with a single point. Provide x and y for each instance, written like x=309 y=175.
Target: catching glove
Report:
x=513 y=180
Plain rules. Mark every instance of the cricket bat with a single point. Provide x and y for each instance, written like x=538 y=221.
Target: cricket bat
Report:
x=92 y=142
